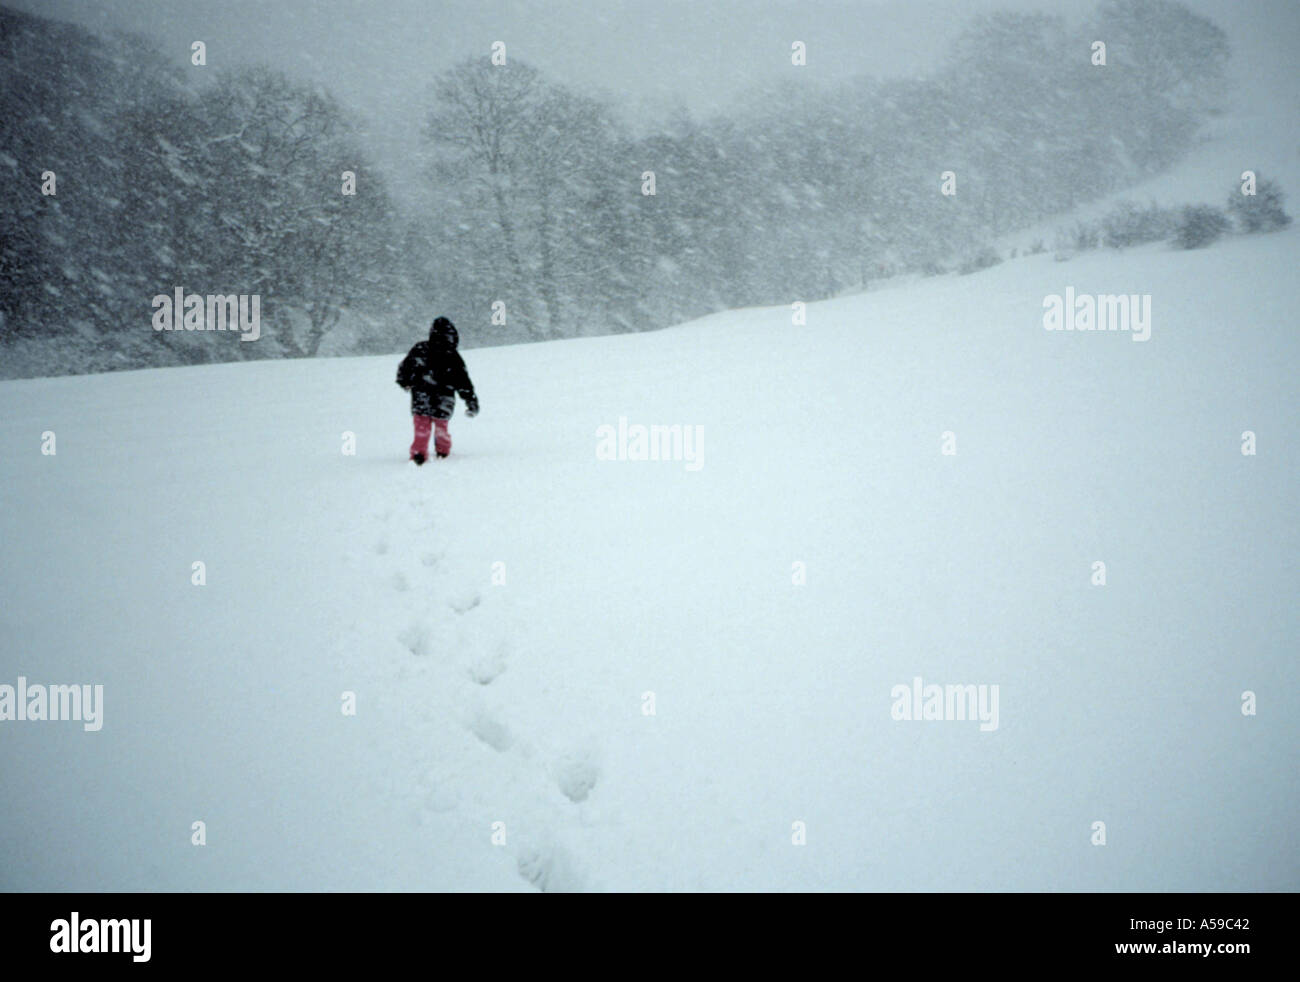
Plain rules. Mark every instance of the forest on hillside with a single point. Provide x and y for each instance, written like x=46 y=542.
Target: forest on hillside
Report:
x=128 y=173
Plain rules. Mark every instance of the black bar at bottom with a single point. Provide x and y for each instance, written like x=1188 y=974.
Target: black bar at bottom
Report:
x=924 y=931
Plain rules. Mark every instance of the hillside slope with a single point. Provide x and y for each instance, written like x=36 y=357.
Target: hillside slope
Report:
x=521 y=702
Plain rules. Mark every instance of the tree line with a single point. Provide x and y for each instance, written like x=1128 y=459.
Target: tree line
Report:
x=544 y=215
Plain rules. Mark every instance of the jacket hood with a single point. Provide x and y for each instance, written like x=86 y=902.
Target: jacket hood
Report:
x=443 y=332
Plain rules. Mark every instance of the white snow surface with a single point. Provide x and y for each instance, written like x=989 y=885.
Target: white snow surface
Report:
x=522 y=703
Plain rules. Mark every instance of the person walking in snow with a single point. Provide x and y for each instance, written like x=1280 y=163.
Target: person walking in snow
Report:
x=434 y=372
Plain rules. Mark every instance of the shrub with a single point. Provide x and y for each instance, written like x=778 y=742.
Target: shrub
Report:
x=1079 y=238
x=1085 y=237
x=1262 y=211
x=1128 y=224
x=983 y=258
x=1199 y=225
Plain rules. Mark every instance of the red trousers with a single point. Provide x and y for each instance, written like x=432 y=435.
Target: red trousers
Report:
x=441 y=441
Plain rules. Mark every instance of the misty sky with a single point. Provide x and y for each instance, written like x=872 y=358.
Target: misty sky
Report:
x=379 y=56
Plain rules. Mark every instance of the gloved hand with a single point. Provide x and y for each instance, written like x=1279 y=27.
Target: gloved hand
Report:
x=471 y=406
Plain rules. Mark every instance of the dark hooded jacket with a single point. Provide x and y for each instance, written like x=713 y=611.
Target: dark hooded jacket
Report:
x=434 y=373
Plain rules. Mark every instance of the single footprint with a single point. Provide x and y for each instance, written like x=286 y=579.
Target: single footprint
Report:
x=486 y=670
x=491 y=732
x=575 y=775
x=440 y=799
x=485 y=667
x=381 y=547
x=399 y=582
x=416 y=639
x=430 y=559
x=464 y=601
x=549 y=869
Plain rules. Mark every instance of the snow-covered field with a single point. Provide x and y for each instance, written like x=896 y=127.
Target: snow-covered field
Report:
x=524 y=702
